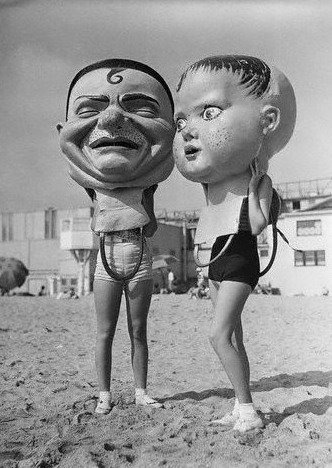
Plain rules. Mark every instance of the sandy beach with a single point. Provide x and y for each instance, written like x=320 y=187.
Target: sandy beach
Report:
x=49 y=387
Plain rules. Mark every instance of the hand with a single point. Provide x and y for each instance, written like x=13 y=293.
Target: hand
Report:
x=257 y=173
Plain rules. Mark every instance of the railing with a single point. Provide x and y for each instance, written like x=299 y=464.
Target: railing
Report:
x=177 y=215
x=314 y=188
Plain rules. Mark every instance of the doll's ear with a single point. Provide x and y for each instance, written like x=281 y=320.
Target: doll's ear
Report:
x=270 y=119
x=59 y=127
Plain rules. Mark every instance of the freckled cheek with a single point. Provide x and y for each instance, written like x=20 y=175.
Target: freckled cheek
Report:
x=218 y=140
x=177 y=149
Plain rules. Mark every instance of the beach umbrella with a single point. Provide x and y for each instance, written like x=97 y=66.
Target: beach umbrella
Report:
x=163 y=261
x=13 y=273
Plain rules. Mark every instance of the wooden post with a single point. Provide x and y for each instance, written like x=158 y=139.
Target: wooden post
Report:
x=81 y=256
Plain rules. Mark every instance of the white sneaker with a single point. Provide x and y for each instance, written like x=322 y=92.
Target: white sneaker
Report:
x=227 y=420
x=248 y=424
x=103 y=407
x=146 y=400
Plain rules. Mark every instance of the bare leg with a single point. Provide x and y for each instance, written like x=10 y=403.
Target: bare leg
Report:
x=138 y=298
x=214 y=289
x=107 y=296
x=239 y=346
x=238 y=331
x=229 y=301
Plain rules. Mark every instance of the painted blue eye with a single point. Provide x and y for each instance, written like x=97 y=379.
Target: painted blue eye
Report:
x=211 y=113
x=180 y=124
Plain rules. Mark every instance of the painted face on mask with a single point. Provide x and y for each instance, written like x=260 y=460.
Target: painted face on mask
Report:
x=218 y=126
x=119 y=126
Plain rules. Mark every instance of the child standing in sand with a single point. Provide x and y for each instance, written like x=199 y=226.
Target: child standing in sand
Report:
x=233 y=113
x=117 y=140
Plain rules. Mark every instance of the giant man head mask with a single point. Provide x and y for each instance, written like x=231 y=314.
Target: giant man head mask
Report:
x=119 y=126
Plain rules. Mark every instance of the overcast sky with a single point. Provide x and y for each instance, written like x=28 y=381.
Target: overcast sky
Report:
x=44 y=43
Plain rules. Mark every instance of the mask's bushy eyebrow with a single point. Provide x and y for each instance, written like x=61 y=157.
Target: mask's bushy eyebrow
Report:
x=137 y=96
x=100 y=98
x=253 y=73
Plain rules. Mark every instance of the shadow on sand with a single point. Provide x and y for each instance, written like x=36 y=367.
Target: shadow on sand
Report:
x=321 y=379
x=199 y=396
x=317 y=406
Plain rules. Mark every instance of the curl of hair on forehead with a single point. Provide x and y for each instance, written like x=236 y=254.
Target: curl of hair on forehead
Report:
x=120 y=64
x=253 y=73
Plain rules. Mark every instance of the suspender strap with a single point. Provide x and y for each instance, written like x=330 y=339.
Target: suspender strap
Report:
x=196 y=251
x=274 y=250
x=113 y=274
x=284 y=238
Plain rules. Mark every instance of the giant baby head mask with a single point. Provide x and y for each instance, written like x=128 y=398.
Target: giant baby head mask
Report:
x=119 y=126
x=230 y=109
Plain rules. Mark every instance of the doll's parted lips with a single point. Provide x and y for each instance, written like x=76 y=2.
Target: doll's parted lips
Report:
x=191 y=150
x=119 y=141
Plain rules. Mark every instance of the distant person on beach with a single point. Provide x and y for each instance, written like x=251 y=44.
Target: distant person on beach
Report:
x=200 y=291
x=68 y=294
x=42 y=291
x=325 y=291
x=233 y=113
x=117 y=139
x=73 y=294
x=170 y=279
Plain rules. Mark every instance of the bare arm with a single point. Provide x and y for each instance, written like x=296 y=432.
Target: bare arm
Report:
x=260 y=196
x=148 y=204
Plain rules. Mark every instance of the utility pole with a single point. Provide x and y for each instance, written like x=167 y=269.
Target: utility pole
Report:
x=185 y=251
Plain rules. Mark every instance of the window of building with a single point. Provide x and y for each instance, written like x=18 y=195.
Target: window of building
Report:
x=310 y=227
x=7 y=227
x=296 y=205
x=50 y=223
x=309 y=258
x=73 y=281
x=264 y=253
x=262 y=237
x=155 y=250
x=320 y=255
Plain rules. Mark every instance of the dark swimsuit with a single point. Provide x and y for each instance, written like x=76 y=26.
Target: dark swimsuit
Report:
x=240 y=261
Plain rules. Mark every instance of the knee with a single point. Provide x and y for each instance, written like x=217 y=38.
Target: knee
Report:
x=139 y=332
x=105 y=334
x=220 y=339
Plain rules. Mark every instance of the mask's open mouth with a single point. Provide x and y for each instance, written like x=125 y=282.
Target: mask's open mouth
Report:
x=105 y=142
x=190 y=151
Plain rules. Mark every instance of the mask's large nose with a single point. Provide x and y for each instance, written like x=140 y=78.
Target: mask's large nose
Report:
x=111 y=117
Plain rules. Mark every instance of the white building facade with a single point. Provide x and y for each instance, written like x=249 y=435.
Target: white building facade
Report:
x=34 y=238
x=307 y=271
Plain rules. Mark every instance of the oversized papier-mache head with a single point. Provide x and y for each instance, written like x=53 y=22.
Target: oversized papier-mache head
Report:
x=229 y=110
x=119 y=126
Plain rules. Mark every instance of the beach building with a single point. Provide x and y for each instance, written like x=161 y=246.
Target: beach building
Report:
x=34 y=238
x=306 y=221
x=60 y=251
